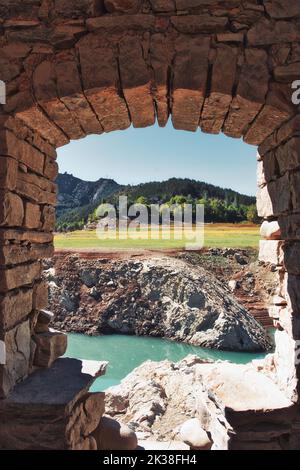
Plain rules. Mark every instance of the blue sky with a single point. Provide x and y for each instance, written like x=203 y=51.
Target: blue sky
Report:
x=140 y=155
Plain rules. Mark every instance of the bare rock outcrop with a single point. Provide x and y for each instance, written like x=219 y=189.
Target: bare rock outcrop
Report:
x=161 y=296
x=234 y=406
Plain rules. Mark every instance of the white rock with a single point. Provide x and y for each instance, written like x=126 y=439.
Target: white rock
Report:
x=270 y=230
x=194 y=435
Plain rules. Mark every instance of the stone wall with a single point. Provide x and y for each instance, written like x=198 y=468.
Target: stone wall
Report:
x=278 y=202
x=27 y=217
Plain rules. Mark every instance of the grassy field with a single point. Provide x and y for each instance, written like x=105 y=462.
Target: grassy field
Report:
x=215 y=235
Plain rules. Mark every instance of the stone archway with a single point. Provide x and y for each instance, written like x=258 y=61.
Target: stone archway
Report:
x=93 y=66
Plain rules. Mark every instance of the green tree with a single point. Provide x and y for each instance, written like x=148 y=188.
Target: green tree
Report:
x=252 y=215
x=142 y=200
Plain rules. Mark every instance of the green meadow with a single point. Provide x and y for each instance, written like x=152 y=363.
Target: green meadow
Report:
x=215 y=235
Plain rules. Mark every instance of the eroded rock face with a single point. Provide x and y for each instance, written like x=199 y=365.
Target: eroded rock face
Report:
x=163 y=297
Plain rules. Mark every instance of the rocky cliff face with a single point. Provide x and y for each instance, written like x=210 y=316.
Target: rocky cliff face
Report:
x=74 y=193
x=161 y=296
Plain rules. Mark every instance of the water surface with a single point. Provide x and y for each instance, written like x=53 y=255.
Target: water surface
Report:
x=125 y=353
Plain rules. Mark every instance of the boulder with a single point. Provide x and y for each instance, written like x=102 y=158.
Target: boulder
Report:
x=111 y=435
x=194 y=435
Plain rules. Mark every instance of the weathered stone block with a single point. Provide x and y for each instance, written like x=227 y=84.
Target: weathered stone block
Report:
x=49 y=347
x=12 y=236
x=260 y=173
x=121 y=23
x=292 y=257
x=216 y=106
x=287 y=73
x=48 y=218
x=2 y=353
x=34 y=193
x=127 y=6
x=18 y=276
x=21 y=150
x=290 y=323
x=8 y=173
x=270 y=168
x=282 y=9
x=84 y=419
x=295 y=190
x=270 y=230
x=77 y=8
x=285 y=363
x=251 y=93
x=50 y=169
x=47 y=98
x=43 y=321
x=266 y=32
x=17 y=355
x=264 y=203
x=290 y=226
x=189 y=90
x=270 y=251
x=99 y=81
x=273 y=113
x=14 y=307
x=195 y=24
x=275 y=198
x=291 y=292
x=284 y=133
x=16 y=253
x=69 y=90
x=40 y=295
x=162 y=6
x=32 y=217
x=11 y=209
x=39 y=181
x=136 y=88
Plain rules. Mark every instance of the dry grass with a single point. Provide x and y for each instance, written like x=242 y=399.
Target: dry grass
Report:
x=215 y=235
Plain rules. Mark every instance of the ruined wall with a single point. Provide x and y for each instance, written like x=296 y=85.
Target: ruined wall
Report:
x=27 y=217
x=278 y=202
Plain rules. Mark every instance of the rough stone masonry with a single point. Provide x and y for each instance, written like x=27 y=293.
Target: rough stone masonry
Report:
x=93 y=66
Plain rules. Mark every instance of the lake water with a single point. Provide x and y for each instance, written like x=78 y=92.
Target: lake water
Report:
x=124 y=353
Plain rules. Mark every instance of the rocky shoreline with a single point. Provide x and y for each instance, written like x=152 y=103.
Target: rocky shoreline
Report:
x=216 y=405
x=161 y=296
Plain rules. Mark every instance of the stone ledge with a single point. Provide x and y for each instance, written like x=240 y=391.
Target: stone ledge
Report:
x=65 y=381
x=249 y=399
x=47 y=410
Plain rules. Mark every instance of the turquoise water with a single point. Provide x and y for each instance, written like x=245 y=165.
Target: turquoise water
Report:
x=124 y=353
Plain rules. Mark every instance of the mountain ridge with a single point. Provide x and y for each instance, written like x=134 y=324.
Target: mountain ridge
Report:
x=78 y=198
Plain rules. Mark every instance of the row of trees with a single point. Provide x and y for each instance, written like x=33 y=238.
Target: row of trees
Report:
x=215 y=211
